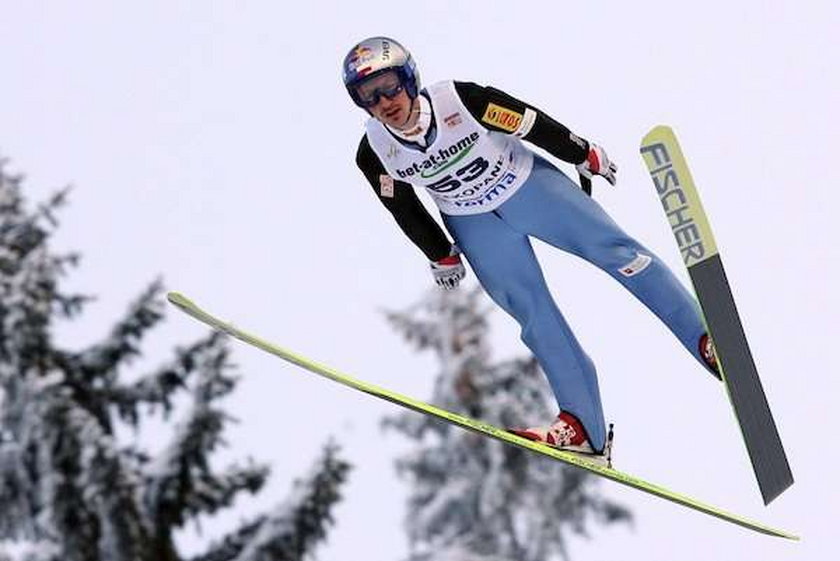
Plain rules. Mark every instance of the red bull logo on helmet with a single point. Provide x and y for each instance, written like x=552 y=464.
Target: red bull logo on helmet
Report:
x=361 y=54
x=357 y=59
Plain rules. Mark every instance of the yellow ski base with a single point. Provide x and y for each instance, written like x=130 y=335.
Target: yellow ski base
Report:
x=189 y=307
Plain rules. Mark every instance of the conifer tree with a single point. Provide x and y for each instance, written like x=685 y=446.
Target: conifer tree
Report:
x=70 y=490
x=474 y=498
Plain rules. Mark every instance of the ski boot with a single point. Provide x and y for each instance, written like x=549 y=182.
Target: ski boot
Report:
x=567 y=434
x=707 y=352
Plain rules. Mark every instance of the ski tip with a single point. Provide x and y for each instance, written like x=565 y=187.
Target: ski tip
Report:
x=660 y=129
x=658 y=132
x=178 y=299
x=189 y=307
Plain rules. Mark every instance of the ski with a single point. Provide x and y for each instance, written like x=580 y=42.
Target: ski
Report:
x=186 y=305
x=681 y=202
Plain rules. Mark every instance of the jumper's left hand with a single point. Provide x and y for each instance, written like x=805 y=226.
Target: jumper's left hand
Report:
x=597 y=163
x=449 y=271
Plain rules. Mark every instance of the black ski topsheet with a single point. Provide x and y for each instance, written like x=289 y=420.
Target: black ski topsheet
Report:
x=681 y=202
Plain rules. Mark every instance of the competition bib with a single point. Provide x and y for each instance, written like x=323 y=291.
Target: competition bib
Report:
x=467 y=169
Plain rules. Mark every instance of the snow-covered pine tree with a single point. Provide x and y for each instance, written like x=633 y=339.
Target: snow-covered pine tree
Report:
x=69 y=489
x=475 y=498
x=289 y=533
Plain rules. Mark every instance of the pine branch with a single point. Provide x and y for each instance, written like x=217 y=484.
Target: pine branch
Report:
x=175 y=477
x=123 y=343
x=159 y=387
x=232 y=544
x=420 y=334
x=89 y=493
x=30 y=551
x=64 y=480
x=293 y=529
x=181 y=482
x=216 y=492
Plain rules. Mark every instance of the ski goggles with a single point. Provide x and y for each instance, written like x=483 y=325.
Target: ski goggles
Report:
x=371 y=92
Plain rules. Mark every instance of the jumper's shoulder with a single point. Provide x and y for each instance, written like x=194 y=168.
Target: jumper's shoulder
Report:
x=367 y=159
x=440 y=86
x=362 y=149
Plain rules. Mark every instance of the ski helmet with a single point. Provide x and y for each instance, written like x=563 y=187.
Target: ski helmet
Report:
x=377 y=55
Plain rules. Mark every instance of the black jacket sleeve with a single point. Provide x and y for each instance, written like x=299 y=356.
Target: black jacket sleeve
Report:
x=402 y=202
x=545 y=132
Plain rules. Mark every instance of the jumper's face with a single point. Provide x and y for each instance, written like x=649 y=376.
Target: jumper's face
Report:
x=386 y=99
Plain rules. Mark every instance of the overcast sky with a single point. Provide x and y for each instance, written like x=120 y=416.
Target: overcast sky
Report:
x=212 y=143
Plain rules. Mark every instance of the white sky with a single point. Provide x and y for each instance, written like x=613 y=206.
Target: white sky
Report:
x=212 y=143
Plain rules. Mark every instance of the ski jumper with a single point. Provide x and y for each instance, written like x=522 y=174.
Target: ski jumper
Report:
x=494 y=194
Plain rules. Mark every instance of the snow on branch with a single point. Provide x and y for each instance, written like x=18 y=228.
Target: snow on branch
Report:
x=292 y=531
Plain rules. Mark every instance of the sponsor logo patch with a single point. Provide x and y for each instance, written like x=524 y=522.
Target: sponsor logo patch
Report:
x=527 y=123
x=578 y=140
x=502 y=117
x=636 y=266
x=453 y=120
x=442 y=160
x=674 y=197
x=386 y=186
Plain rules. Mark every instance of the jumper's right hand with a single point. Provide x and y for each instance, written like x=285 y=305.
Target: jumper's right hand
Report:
x=597 y=163
x=449 y=271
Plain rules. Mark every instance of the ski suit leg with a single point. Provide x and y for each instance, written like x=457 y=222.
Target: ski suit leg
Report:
x=506 y=266
x=551 y=207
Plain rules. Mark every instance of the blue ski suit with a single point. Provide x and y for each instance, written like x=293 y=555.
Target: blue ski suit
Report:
x=494 y=234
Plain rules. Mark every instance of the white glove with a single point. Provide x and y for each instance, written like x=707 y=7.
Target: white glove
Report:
x=449 y=271
x=597 y=163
